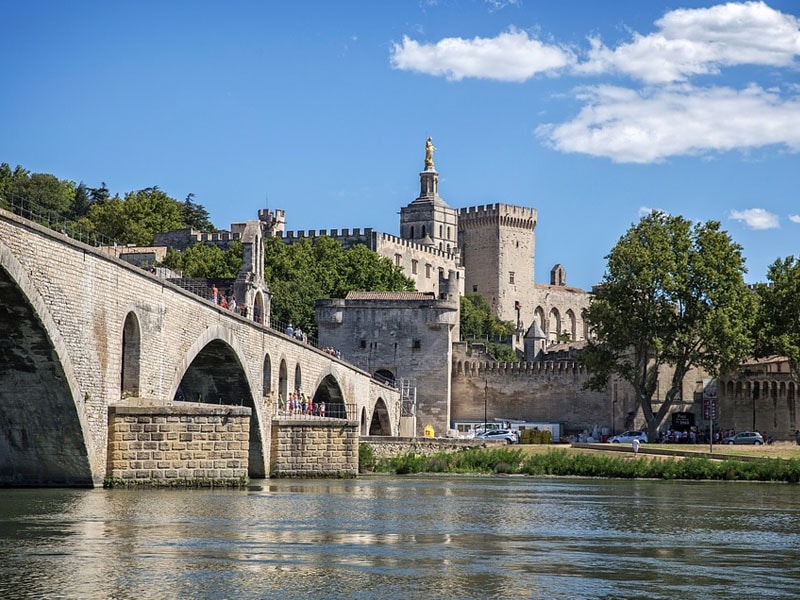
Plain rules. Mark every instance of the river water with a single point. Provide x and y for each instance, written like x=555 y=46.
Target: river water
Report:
x=405 y=537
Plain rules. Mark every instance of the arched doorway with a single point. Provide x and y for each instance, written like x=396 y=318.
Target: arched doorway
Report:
x=384 y=376
x=363 y=430
x=258 y=308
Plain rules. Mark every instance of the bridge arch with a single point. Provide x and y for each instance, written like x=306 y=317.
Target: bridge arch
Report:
x=329 y=392
x=46 y=442
x=380 y=424
x=214 y=370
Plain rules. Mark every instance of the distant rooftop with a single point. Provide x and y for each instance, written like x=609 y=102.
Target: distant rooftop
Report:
x=390 y=296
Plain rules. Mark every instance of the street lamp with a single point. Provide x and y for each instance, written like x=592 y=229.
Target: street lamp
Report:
x=485 y=403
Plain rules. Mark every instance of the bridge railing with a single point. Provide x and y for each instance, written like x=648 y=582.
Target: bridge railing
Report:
x=288 y=409
x=57 y=222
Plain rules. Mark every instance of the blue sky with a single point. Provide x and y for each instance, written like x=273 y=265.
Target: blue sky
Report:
x=590 y=112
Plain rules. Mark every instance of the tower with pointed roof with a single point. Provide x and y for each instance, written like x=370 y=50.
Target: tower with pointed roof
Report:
x=429 y=220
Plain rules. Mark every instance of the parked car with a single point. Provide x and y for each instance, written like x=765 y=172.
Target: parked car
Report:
x=744 y=437
x=626 y=437
x=499 y=434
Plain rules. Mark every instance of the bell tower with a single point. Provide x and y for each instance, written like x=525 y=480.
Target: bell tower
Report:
x=428 y=220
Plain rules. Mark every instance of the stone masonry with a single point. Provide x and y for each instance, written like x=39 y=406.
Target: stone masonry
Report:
x=314 y=448
x=179 y=445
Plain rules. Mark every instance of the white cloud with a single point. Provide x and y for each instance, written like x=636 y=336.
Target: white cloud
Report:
x=756 y=218
x=511 y=56
x=642 y=127
x=501 y=4
x=794 y=218
x=700 y=41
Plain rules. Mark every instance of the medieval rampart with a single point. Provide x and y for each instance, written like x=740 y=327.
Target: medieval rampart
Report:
x=540 y=392
x=507 y=215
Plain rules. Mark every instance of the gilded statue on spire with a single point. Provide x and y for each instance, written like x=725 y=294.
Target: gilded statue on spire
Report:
x=429 y=148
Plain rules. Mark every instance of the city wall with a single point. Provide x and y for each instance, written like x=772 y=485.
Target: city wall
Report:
x=540 y=392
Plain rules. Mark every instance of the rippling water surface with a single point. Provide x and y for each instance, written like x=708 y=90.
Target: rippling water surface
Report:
x=414 y=537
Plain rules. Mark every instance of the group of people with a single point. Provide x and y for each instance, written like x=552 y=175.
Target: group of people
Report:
x=332 y=351
x=299 y=404
x=296 y=333
x=223 y=300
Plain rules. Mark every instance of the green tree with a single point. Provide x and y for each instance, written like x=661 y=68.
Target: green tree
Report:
x=778 y=325
x=136 y=218
x=478 y=321
x=80 y=203
x=99 y=195
x=195 y=215
x=206 y=261
x=301 y=273
x=44 y=191
x=673 y=295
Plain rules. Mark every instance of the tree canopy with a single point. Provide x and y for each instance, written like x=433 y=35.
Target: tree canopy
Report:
x=478 y=321
x=132 y=219
x=778 y=328
x=211 y=262
x=673 y=295
x=301 y=273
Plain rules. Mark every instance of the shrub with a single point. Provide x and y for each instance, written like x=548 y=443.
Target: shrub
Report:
x=366 y=458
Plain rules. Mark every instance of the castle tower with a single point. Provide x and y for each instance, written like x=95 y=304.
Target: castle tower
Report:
x=428 y=220
x=497 y=246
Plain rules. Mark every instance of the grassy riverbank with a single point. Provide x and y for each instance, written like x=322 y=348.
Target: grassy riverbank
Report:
x=549 y=461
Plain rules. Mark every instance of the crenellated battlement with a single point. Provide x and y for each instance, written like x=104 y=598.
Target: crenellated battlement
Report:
x=433 y=251
x=346 y=237
x=334 y=233
x=509 y=215
x=482 y=368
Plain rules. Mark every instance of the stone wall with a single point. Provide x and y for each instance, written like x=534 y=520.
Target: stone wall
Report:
x=401 y=333
x=389 y=447
x=178 y=445
x=314 y=448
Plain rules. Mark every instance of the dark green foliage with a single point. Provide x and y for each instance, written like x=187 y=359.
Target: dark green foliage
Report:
x=673 y=295
x=366 y=458
x=133 y=219
x=206 y=261
x=80 y=203
x=778 y=325
x=562 y=463
x=195 y=215
x=302 y=273
x=478 y=322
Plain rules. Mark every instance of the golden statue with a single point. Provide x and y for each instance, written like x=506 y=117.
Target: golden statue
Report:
x=429 y=148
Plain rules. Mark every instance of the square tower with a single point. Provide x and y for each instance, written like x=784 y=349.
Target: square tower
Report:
x=497 y=244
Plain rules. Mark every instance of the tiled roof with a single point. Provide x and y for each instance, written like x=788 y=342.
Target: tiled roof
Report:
x=390 y=296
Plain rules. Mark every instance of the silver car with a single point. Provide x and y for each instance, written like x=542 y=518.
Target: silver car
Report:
x=626 y=437
x=499 y=434
x=745 y=437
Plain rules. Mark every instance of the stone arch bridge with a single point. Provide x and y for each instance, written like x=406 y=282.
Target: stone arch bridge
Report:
x=81 y=331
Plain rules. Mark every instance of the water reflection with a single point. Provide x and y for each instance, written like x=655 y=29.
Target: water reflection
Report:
x=415 y=537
